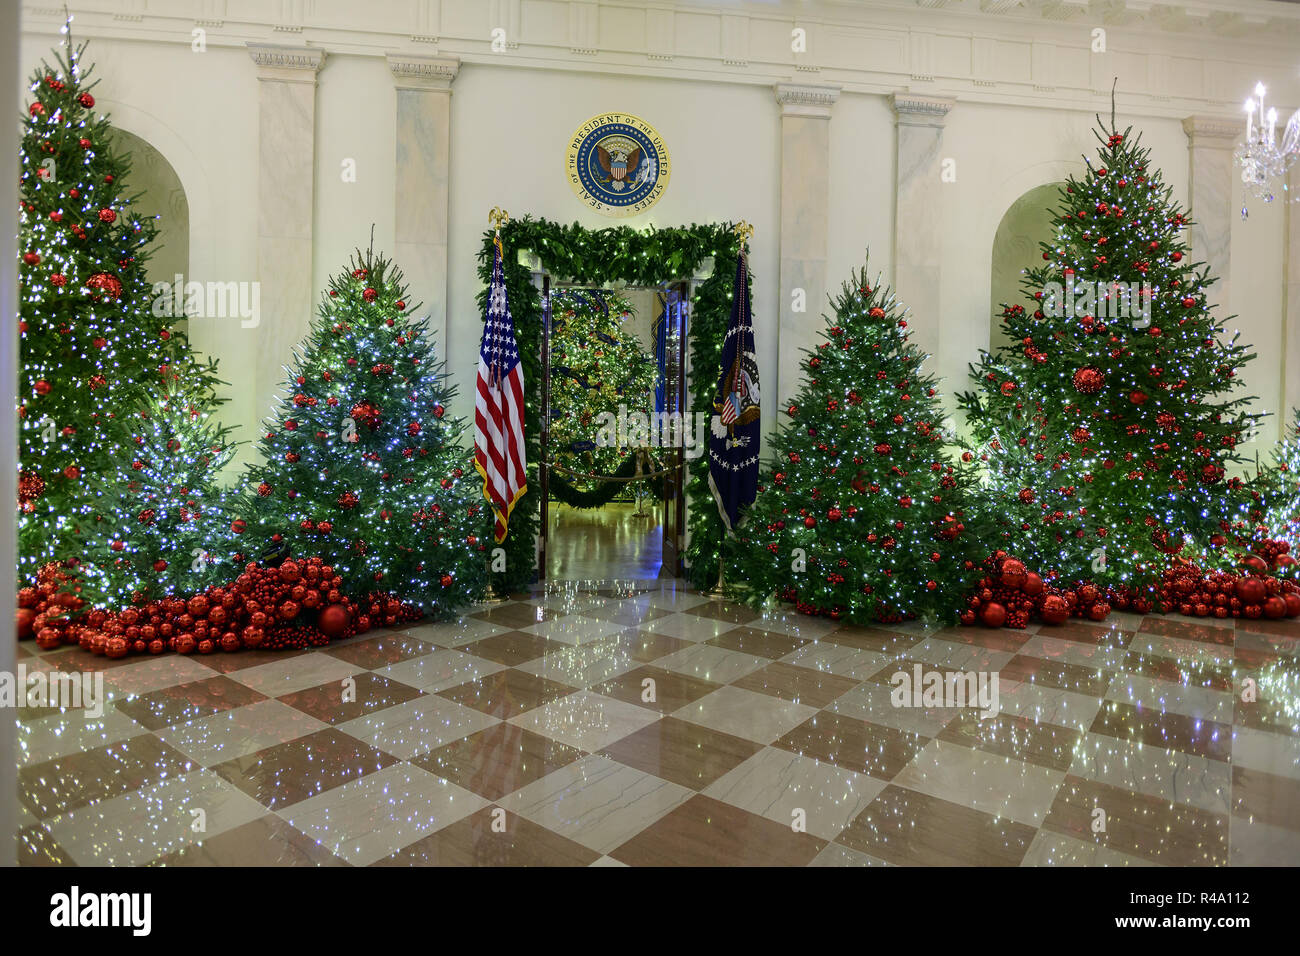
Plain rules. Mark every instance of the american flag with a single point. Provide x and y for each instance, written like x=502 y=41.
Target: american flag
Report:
x=499 y=405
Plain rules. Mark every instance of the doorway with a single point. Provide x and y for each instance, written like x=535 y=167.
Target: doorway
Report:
x=614 y=369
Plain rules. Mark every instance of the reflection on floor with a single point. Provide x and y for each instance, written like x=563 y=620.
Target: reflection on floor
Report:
x=605 y=544
x=653 y=725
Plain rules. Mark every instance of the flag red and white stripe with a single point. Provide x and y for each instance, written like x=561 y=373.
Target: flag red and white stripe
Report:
x=499 y=406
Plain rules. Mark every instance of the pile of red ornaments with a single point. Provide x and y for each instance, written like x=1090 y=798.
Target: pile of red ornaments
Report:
x=290 y=606
x=45 y=612
x=1270 y=555
x=1187 y=589
x=1009 y=595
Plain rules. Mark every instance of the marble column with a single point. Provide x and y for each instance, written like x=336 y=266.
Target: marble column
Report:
x=805 y=207
x=918 y=218
x=1210 y=141
x=9 y=78
x=423 y=162
x=1290 y=357
x=285 y=194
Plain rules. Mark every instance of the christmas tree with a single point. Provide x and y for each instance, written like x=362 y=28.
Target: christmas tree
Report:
x=361 y=466
x=1108 y=424
x=862 y=513
x=1271 y=507
x=600 y=375
x=92 y=349
x=164 y=526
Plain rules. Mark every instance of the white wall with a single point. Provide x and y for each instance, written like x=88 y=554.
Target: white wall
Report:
x=510 y=129
x=512 y=116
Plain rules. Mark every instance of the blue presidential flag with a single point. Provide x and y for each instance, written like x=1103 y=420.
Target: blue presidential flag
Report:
x=734 y=432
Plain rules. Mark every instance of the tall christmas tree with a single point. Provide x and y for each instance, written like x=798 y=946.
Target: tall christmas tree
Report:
x=163 y=526
x=597 y=367
x=92 y=349
x=862 y=514
x=1110 y=421
x=361 y=465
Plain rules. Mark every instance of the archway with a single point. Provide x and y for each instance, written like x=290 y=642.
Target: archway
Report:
x=1025 y=224
x=157 y=192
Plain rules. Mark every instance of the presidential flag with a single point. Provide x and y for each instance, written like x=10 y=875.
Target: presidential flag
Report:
x=734 y=435
x=499 y=405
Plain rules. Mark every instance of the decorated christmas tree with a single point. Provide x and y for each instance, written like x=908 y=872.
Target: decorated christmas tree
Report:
x=862 y=514
x=1109 y=423
x=1271 y=500
x=600 y=375
x=361 y=465
x=92 y=349
x=163 y=526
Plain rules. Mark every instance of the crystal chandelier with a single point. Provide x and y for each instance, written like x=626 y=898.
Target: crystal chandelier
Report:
x=1262 y=158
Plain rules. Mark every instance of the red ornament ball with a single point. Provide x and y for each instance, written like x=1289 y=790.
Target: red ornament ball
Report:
x=993 y=614
x=1088 y=380
x=1250 y=591
x=1055 y=610
x=334 y=621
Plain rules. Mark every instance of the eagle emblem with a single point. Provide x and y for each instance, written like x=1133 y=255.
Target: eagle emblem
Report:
x=618 y=164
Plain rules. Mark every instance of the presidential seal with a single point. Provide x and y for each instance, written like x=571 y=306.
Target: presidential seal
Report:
x=617 y=164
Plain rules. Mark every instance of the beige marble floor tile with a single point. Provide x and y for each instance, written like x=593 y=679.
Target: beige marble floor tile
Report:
x=1153 y=694
x=137 y=827
x=586 y=720
x=1057 y=849
x=1004 y=788
x=239 y=731
x=72 y=732
x=716 y=664
x=745 y=713
x=368 y=819
x=874 y=702
x=1043 y=703
x=583 y=665
x=1277 y=754
x=839 y=659
x=294 y=674
x=417 y=726
x=836 y=855
x=777 y=784
x=688 y=627
x=153 y=673
x=1156 y=771
x=454 y=633
x=597 y=802
x=445 y=667
x=575 y=629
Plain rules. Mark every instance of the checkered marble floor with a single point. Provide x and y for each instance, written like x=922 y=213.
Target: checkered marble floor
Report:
x=650 y=725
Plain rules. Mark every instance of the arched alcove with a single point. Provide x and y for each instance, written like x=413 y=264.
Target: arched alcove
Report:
x=157 y=191
x=1025 y=224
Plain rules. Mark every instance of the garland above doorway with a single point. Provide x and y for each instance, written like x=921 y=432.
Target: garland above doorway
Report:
x=642 y=257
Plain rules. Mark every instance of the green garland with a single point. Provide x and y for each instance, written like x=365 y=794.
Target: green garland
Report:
x=599 y=257
x=602 y=494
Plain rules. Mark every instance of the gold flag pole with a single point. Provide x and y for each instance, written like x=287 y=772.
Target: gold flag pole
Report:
x=497 y=217
x=744 y=232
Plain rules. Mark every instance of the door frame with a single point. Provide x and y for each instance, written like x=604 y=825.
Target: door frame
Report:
x=673 y=494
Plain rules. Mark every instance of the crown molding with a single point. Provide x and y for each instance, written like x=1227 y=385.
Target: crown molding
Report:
x=423 y=72
x=807 y=99
x=1213 y=131
x=289 y=64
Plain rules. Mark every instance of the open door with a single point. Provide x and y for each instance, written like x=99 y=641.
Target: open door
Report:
x=676 y=318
